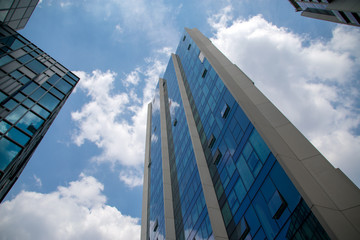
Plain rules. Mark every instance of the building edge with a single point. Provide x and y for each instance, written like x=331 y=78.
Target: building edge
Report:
x=332 y=197
x=146 y=183
x=170 y=232
x=217 y=224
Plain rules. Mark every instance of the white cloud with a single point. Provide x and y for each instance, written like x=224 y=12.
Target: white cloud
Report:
x=119 y=28
x=116 y=121
x=132 y=78
x=313 y=82
x=78 y=211
x=38 y=181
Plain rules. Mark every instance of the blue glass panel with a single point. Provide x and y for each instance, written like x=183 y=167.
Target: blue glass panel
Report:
x=24 y=80
x=38 y=93
x=53 y=79
x=18 y=136
x=269 y=225
x=2 y=97
x=31 y=87
x=11 y=104
x=240 y=190
x=4 y=126
x=16 y=74
x=25 y=58
x=5 y=59
x=49 y=101
x=63 y=86
x=41 y=111
x=30 y=123
x=259 y=145
x=8 y=152
x=36 y=66
x=245 y=172
x=16 y=114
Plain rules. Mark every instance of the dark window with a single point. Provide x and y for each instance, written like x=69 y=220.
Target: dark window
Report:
x=211 y=141
x=217 y=157
x=156 y=225
x=277 y=205
x=204 y=73
x=225 y=111
x=175 y=122
x=184 y=38
x=343 y=15
x=189 y=46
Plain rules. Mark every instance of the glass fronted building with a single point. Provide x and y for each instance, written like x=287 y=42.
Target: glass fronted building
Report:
x=339 y=11
x=33 y=88
x=223 y=163
x=16 y=13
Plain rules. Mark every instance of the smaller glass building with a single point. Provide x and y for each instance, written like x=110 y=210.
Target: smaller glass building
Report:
x=33 y=88
x=16 y=13
x=339 y=11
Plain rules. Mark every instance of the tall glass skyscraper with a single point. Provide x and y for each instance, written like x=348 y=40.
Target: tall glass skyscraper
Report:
x=223 y=163
x=33 y=88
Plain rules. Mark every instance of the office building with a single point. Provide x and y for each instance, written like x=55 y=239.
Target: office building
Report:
x=338 y=11
x=33 y=88
x=222 y=162
x=16 y=13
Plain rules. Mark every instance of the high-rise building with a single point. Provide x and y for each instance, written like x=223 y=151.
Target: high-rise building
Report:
x=16 y=13
x=33 y=88
x=222 y=162
x=339 y=11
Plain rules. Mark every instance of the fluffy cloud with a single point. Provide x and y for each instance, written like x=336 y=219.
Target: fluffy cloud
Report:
x=314 y=82
x=78 y=211
x=116 y=121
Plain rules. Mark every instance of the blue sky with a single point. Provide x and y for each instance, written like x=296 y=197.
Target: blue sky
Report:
x=85 y=179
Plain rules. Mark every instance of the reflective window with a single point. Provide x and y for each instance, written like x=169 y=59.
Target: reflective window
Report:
x=18 y=136
x=16 y=114
x=41 y=111
x=4 y=126
x=49 y=101
x=63 y=86
x=30 y=123
x=8 y=151
x=36 y=66
x=5 y=59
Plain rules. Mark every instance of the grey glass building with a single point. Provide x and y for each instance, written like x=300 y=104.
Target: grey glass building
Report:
x=16 y=13
x=339 y=11
x=221 y=161
x=33 y=88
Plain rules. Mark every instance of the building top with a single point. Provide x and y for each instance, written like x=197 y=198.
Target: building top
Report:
x=16 y=13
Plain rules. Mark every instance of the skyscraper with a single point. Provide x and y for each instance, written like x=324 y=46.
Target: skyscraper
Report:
x=222 y=162
x=16 y=13
x=339 y=11
x=33 y=88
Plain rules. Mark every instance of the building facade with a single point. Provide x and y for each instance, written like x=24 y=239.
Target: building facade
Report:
x=33 y=88
x=222 y=162
x=338 y=11
x=16 y=13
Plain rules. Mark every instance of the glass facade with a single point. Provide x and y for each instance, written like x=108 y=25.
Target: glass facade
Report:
x=156 y=216
x=33 y=88
x=16 y=13
x=257 y=200
x=191 y=214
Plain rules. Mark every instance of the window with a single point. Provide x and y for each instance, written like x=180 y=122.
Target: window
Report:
x=189 y=46
x=201 y=57
x=243 y=228
x=225 y=111
x=8 y=153
x=217 y=157
x=175 y=122
x=204 y=73
x=211 y=141
x=184 y=38
x=277 y=205
x=156 y=225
